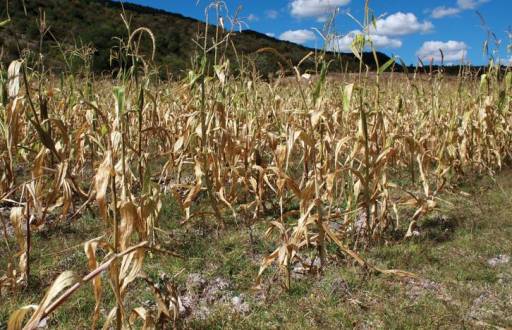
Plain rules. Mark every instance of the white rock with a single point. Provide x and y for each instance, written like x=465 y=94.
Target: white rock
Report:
x=43 y=324
x=499 y=260
x=239 y=305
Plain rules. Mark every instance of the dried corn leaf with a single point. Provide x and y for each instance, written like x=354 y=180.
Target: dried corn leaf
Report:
x=101 y=181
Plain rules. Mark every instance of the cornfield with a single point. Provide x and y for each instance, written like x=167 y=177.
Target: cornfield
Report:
x=368 y=152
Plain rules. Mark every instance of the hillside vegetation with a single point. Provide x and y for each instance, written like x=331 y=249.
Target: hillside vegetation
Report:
x=97 y=23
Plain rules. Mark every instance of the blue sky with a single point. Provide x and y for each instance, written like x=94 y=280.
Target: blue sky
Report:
x=407 y=28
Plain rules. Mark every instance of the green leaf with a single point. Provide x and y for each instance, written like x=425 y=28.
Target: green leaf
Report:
x=402 y=63
x=347 y=97
x=358 y=46
x=119 y=96
x=320 y=82
x=103 y=130
x=387 y=65
x=508 y=81
x=483 y=81
x=204 y=62
x=192 y=77
x=5 y=22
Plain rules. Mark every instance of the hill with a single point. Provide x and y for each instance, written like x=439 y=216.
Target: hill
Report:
x=97 y=22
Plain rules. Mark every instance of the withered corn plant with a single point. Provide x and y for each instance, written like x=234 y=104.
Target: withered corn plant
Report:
x=64 y=146
x=316 y=159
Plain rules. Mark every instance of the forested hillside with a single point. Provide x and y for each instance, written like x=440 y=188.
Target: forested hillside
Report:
x=96 y=24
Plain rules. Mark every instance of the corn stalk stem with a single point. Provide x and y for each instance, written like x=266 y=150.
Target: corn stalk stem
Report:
x=141 y=107
x=116 y=236
x=364 y=125
x=204 y=152
x=27 y=270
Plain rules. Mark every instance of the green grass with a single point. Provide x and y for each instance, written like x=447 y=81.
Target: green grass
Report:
x=451 y=253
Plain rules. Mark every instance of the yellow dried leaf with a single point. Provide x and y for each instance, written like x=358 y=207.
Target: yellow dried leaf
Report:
x=16 y=319
x=62 y=282
x=129 y=218
x=101 y=181
x=92 y=263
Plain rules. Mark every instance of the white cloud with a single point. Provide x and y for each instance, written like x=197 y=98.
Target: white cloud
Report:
x=385 y=42
x=272 y=14
x=505 y=61
x=298 y=36
x=470 y=4
x=385 y=32
x=400 y=24
x=322 y=19
x=252 y=18
x=453 y=51
x=344 y=43
x=271 y=34
x=315 y=8
x=443 y=11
